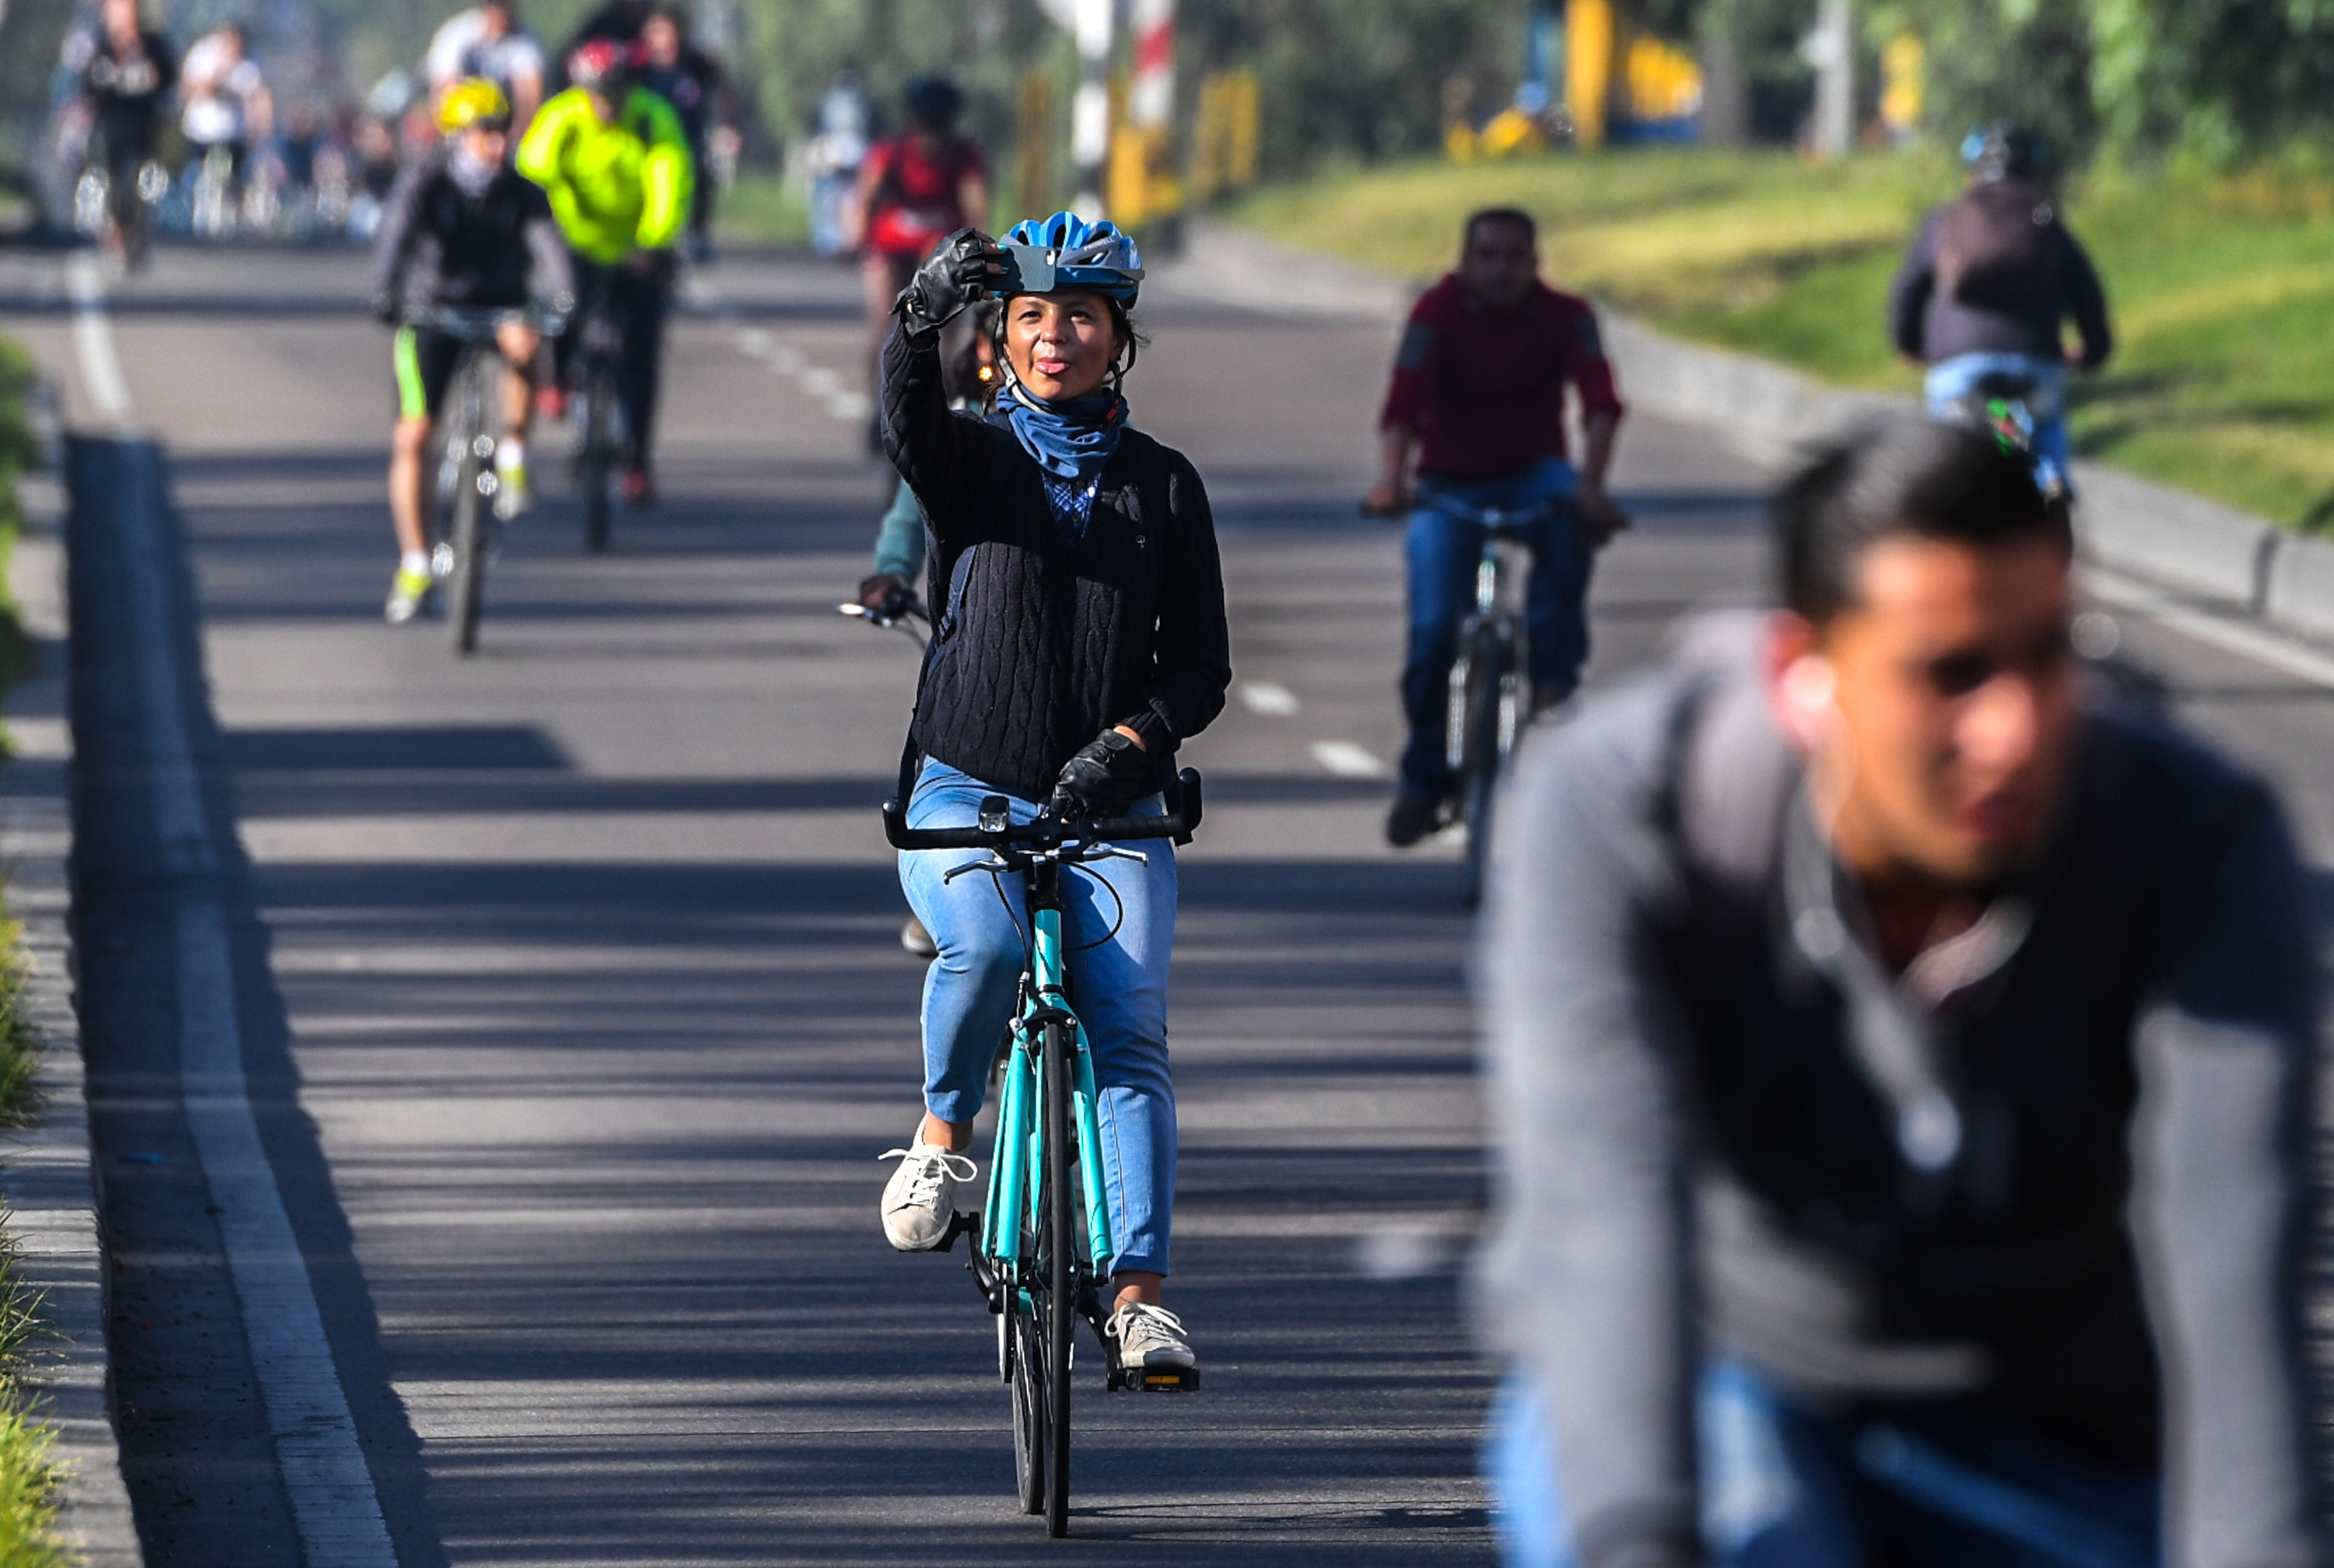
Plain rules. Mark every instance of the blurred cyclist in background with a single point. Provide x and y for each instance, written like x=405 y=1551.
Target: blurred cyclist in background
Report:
x=915 y=189
x=968 y=377
x=1477 y=404
x=615 y=162
x=228 y=108
x=487 y=43
x=1988 y=286
x=462 y=228
x=125 y=69
x=1902 y=1067
x=691 y=80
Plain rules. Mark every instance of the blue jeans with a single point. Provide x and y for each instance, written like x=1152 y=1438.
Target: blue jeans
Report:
x=1783 y=1487
x=1441 y=552
x=1950 y=381
x=1118 y=983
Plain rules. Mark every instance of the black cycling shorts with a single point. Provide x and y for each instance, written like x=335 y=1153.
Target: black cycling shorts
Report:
x=424 y=361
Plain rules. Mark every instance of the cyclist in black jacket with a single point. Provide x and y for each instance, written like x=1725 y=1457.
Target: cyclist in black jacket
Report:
x=462 y=228
x=125 y=69
x=1081 y=640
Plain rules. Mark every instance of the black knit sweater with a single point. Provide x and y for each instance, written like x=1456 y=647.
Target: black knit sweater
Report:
x=1043 y=642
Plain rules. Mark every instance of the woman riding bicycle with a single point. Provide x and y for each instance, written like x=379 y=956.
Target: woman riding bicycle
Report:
x=1080 y=640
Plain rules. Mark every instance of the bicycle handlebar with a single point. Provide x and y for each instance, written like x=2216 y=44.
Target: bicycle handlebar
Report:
x=1504 y=521
x=998 y=832
x=475 y=323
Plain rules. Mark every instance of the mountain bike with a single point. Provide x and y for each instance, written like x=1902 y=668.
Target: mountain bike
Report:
x=463 y=527
x=1041 y=1243
x=1490 y=681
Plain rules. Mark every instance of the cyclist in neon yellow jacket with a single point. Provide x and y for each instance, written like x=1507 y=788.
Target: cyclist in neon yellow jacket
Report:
x=615 y=160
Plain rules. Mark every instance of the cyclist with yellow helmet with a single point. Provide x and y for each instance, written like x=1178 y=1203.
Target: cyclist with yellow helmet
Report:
x=614 y=159
x=461 y=229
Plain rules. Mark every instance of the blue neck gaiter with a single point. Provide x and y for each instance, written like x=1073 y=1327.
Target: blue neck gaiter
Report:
x=1071 y=441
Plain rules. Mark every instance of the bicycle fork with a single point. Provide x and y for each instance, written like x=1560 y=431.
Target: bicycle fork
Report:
x=1012 y=1188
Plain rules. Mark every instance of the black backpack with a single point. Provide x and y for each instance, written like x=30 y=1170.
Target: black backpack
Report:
x=1997 y=247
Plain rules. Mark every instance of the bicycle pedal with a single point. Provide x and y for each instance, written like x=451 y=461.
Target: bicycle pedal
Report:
x=1161 y=1381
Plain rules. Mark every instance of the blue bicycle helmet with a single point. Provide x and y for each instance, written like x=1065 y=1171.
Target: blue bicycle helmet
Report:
x=1066 y=252
x=1998 y=152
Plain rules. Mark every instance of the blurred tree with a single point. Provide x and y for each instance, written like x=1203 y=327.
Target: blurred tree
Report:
x=2024 y=62
x=2215 y=77
x=1358 y=78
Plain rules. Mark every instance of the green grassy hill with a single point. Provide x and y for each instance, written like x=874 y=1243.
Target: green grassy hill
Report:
x=2222 y=286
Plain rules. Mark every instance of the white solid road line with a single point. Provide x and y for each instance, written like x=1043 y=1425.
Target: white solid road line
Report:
x=101 y=366
x=1268 y=698
x=1347 y=760
x=2237 y=637
x=330 y=1490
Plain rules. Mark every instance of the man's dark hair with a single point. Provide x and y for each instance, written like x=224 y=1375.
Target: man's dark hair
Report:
x=1902 y=477
x=1503 y=215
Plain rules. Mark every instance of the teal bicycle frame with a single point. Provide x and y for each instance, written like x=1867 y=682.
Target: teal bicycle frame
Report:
x=1021 y=1108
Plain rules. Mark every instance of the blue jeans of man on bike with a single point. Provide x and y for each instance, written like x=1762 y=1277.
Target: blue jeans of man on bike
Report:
x=1118 y=929
x=1787 y=1485
x=1441 y=552
x=1949 y=381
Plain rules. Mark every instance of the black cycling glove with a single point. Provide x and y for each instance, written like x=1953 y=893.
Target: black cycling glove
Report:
x=960 y=272
x=885 y=596
x=1109 y=773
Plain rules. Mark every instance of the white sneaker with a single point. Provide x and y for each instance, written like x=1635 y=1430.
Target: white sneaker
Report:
x=920 y=1199
x=1151 y=1339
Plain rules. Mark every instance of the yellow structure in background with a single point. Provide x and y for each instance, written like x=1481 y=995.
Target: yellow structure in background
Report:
x=1900 y=86
x=1225 y=135
x=1139 y=183
x=1659 y=81
x=1588 y=68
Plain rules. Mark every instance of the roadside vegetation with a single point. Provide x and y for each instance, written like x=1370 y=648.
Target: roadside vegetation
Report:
x=762 y=208
x=28 y=1476
x=2220 y=283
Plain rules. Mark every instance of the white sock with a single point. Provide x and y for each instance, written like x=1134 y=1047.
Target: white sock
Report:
x=413 y=561
x=511 y=454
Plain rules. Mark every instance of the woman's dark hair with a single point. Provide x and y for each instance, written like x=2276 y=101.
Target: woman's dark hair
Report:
x=1900 y=476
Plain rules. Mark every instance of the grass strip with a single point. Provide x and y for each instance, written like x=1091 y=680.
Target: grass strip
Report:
x=29 y=1476
x=762 y=208
x=2220 y=284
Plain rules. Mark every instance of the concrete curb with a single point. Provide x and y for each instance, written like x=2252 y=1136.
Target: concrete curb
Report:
x=48 y=1174
x=2181 y=541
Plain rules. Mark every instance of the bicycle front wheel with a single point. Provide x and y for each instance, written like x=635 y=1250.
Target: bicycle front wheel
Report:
x=1029 y=1429
x=598 y=465
x=1063 y=1237
x=1490 y=679
x=466 y=533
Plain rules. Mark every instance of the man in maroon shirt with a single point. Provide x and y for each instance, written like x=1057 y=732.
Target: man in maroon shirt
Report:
x=1477 y=406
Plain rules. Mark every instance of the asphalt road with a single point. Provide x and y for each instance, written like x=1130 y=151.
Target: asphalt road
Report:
x=571 y=1003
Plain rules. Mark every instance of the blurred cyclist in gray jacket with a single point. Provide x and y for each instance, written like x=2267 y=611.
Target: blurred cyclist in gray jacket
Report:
x=1989 y=285
x=1902 y=1065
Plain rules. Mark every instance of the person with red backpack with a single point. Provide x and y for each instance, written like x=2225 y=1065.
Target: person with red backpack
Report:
x=1988 y=286
x=915 y=189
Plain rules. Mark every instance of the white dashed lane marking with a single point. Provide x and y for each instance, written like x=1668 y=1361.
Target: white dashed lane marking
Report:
x=1347 y=760
x=1268 y=698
